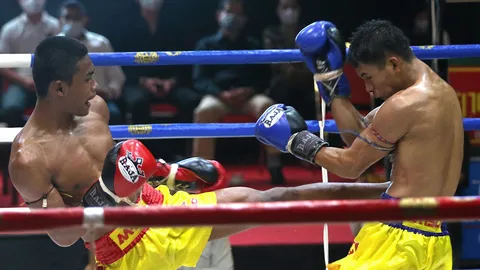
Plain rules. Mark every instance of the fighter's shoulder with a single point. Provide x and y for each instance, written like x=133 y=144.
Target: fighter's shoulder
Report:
x=99 y=107
x=402 y=104
x=26 y=157
x=403 y=100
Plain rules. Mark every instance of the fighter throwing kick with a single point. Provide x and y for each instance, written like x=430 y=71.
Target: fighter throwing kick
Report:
x=65 y=156
x=420 y=123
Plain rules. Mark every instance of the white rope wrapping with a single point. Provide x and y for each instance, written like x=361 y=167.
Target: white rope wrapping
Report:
x=8 y=134
x=15 y=60
x=326 y=252
x=321 y=124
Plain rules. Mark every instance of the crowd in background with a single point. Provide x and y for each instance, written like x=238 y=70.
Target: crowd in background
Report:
x=202 y=93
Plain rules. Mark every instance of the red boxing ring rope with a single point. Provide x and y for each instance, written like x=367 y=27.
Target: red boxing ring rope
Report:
x=444 y=208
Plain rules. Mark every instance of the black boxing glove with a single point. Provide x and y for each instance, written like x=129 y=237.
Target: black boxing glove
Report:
x=192 y=175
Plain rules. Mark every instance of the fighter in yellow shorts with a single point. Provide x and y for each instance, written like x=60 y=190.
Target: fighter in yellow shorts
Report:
x=63 y=157
x=128 y=166
x=402 y=245
x=419 y=125
x=155 y=248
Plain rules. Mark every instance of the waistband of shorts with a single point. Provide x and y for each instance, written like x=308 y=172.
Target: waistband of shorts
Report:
x=427 y=228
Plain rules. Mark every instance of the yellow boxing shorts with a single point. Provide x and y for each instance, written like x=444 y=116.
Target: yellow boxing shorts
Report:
x=399 y=246
x=155 y=248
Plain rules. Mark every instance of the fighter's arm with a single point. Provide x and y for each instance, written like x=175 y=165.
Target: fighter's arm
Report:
x=32 y=180
x=347 y=118
x=392 y=121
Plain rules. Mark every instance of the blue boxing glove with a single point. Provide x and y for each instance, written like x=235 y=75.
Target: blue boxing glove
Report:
x=324 y=51
x=283 y=127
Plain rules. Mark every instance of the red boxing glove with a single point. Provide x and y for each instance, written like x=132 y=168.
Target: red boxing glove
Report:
x=127 y=167
x=192 y=175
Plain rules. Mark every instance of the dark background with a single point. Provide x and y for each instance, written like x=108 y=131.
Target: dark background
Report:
x=194 y=19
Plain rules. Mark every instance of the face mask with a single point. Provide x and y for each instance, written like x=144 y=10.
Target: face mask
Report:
x=151 y=4
x=422 y=25
x=289 y=16
x=32 y=6
x=73 y=29
x=232 y=23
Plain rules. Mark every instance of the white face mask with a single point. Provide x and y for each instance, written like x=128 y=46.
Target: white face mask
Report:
x=289 y=15
x=151 y=4
x=232 y=23
x=73 y=29
x=422 y=25
x=32 y=6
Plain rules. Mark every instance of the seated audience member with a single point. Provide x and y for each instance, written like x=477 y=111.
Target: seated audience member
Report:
x=21 y=35
x=291 y=83
x=110 y=80
x=216 y=255
x=153 y=28
x=231 y=88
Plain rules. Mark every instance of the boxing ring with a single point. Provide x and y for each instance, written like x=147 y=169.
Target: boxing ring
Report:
x=22 y=220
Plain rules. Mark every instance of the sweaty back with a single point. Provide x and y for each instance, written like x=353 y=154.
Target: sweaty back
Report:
x=428 y=159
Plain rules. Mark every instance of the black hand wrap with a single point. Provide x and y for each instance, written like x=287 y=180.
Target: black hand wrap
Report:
x=96 y=197
x=305 y=145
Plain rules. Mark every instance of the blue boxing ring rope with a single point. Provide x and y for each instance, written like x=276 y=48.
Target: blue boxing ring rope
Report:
x=214 y=130
x=229 y=57
x=220 y=130
x=171 y=131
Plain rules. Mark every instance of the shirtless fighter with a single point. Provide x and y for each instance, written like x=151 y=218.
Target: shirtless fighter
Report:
x=420 y=124
x=65 y=156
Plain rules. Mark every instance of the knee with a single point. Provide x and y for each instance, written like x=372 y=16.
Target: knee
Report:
x=208 y=112
x=262 y=105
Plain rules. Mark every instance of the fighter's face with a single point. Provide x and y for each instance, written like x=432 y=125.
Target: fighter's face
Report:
x=82 y=89
x=379 y=81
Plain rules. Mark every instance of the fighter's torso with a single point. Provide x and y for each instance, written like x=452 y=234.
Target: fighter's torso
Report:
x=427 y=161
x=74 y=158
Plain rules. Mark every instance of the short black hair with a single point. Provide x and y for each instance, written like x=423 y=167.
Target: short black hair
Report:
x=223 y=3
x=74 y=4
x=373 y=40
x=56 y=58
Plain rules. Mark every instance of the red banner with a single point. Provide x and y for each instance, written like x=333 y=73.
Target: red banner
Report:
x=466 y=81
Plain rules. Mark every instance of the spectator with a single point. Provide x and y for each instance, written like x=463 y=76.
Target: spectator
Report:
x=291 y=83
x=231 y=88
x=110 y=80
x=422 y=31
x=150 y=29
x=217 y=255
x=21 y=35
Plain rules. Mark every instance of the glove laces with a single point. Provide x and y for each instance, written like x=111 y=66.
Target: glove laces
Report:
x=326 y=80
